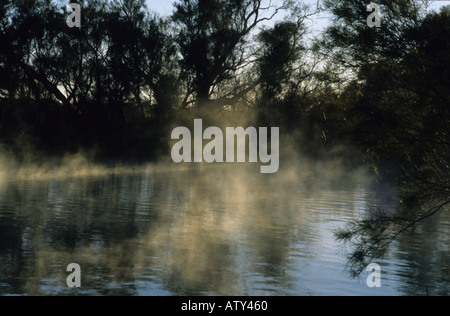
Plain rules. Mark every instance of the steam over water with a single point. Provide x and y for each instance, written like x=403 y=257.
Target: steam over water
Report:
x=221 y=230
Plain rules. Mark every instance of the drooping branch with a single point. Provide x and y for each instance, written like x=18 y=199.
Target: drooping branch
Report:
x=370 y=238
x=49 y=86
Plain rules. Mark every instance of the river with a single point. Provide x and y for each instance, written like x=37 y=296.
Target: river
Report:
x=204 y=231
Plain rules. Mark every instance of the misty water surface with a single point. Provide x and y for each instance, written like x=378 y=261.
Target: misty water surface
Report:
x=207 y=231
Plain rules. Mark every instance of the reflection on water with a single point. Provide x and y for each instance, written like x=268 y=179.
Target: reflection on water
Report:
x=217 y=231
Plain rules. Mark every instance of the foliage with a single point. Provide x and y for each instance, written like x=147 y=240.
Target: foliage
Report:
x=402 y=78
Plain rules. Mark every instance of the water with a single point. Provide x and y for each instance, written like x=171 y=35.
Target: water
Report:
x=217 y=231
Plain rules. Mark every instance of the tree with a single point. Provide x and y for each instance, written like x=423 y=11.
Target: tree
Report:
x=87 y=81
x=212 y=42
x=287 y=74
x=280 y=72
x=8 y=81
x=401 y=70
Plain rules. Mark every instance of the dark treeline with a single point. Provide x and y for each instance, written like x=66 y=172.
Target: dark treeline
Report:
x=122 y=81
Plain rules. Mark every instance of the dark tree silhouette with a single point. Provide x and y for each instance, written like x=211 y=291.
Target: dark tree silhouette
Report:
x=213 y=42
x=280 y=73
x=399 y=117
